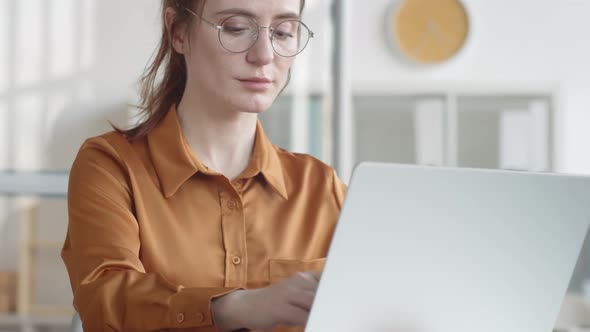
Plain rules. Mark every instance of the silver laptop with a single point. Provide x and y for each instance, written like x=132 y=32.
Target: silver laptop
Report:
x=425 y=249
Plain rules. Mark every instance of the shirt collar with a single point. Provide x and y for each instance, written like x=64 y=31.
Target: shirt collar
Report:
x=265 y=159
x=175 y=163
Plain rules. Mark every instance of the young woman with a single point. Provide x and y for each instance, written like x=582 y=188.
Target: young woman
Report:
x=193 y=220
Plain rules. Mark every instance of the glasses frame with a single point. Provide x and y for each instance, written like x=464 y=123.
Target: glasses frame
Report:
x=271 y=31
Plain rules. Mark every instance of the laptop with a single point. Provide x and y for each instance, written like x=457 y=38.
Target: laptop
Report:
x=428 y=249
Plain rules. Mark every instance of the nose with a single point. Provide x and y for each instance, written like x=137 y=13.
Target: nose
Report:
x=262 y=52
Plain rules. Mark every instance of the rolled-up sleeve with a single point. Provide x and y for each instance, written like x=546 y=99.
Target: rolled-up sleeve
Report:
x=112 y=290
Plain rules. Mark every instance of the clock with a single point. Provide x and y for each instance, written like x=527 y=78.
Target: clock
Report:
x=428 y=31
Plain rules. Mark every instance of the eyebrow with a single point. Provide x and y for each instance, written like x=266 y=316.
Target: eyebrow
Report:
x=239 y=11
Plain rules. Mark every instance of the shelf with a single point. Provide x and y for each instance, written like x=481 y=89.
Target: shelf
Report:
x=46 y=245
x=48 y=320
x=51 y=310
x=51 y=184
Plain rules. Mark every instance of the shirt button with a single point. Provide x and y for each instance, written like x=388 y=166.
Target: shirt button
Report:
x=232 y=205
x=180 y=317
x=200 y=317
x=236 y=260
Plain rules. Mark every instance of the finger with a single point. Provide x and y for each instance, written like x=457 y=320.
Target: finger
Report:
x=297 y=316
x=306 y=281
x=302 y=299
x=316 y=274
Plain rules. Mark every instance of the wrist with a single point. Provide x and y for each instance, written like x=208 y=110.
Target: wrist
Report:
x=228 y=311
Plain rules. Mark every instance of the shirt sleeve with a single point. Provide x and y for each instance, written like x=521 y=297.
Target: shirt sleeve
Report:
x=339 y=189
x=112 y=291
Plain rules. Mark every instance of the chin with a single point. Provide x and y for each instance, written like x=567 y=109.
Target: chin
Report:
x=253 y=111
x=255 y=104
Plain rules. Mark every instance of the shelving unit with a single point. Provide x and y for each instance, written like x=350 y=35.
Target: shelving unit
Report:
x=481 y=127
x=467 y=129
x=32 y=323
x=30 y=187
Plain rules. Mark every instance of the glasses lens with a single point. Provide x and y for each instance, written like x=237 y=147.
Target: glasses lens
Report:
x=290 y=38
x=238 y=33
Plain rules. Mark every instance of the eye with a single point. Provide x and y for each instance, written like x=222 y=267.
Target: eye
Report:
x=237 y=25
x=286 y=30
x=235 y=29
x=283 y=34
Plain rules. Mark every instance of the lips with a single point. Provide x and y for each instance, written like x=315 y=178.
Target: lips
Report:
x=256 y=84
x=256 y=80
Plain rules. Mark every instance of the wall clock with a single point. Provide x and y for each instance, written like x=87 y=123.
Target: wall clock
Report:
x=428 y=31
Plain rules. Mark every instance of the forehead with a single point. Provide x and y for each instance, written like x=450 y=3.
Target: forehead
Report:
x=259 y=8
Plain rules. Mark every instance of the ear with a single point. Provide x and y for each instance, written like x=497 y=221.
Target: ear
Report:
x=176 y=33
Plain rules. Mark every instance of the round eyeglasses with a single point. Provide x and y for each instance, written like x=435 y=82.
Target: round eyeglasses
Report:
x=239 y=33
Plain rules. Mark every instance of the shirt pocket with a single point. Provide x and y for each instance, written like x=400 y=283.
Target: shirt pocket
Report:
x=281 y=269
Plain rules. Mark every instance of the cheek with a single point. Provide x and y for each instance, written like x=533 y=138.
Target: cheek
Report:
x=283 y=66
x=204 y=43
x=206 y=61
x=286 y=62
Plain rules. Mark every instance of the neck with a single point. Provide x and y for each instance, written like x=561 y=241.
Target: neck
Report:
x=222 y=139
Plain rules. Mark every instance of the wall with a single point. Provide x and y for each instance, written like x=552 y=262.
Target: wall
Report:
x=513 y=45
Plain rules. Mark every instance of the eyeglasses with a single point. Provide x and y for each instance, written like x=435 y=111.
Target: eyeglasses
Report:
x=239 y=33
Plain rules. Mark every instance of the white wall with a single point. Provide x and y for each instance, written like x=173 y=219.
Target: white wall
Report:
x=513 y=44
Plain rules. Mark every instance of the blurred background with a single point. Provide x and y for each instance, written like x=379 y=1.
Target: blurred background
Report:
x=515 y=95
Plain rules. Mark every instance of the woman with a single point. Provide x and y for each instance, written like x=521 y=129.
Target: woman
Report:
x=193 y=219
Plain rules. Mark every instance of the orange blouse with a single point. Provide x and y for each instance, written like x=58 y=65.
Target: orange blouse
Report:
x=154 y=236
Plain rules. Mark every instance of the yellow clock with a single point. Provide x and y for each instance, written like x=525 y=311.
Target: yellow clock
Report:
x=428 y=31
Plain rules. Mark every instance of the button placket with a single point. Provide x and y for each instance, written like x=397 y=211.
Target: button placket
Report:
x=224 y=199
x=234 y=238
x=239 y=184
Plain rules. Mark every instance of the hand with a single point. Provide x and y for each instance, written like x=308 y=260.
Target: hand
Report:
x=285 y=304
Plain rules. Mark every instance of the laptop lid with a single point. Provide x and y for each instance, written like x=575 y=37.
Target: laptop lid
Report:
x=426 y=249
